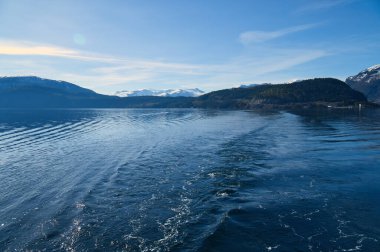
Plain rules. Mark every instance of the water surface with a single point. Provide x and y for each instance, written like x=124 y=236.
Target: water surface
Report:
x=189 y=180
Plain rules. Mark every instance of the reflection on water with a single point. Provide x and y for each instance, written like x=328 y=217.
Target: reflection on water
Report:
x=193 y=180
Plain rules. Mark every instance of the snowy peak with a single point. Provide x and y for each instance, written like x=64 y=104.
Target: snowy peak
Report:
x=375 y=67
x=367 y=76
x=367 y=82
x=164 y=92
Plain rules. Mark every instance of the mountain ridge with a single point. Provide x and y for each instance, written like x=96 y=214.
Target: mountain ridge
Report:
x=34 y=92
x=25 y=82
x=327 y=92
x=367 y=82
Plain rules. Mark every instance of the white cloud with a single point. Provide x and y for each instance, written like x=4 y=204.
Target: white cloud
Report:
x=250 y=37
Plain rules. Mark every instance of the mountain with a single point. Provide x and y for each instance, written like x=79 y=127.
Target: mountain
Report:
x=367 y=82
x=10 y=84
x=305 y=93
x=164 y=92
x=31 y=91
x=34 y=92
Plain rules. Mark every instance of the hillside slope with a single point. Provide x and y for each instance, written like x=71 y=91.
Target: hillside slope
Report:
x=367 y=82
x=314 y=92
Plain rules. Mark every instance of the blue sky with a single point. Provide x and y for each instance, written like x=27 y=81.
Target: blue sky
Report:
x=209 y=44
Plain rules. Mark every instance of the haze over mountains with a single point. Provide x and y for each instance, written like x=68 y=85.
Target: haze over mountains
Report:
x=250 y=85
x=35 y=92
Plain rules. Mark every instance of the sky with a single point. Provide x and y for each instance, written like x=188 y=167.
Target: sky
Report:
x=117 y=45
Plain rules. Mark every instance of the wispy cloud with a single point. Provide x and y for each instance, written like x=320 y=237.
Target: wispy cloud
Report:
x=18 y=48
x=250 y=37
x=26 y=48
x=106 y=73
x=100 y=70
x=322 y=5
x=262 y=66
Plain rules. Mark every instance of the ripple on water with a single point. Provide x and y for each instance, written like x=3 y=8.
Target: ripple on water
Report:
x=186 y=180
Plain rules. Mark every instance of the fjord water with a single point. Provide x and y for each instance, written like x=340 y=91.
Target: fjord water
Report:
x=189 y=180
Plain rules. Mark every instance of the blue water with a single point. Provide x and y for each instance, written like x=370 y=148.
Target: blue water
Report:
x=189 y=180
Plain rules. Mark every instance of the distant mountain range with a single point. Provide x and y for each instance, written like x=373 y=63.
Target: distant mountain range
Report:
x=367 y=82
x=163 y=92
x=34 y=92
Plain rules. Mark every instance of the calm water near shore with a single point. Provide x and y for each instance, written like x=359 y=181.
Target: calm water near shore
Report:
x=189 y=180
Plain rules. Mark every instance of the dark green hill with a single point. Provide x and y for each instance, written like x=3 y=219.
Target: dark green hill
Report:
x=313 y=92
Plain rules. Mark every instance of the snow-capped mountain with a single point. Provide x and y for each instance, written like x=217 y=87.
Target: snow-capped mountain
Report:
x=163 y=92
x=368 y=75
x=367 y=82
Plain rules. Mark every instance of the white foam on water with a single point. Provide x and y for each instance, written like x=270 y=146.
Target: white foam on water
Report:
x=270 y=248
